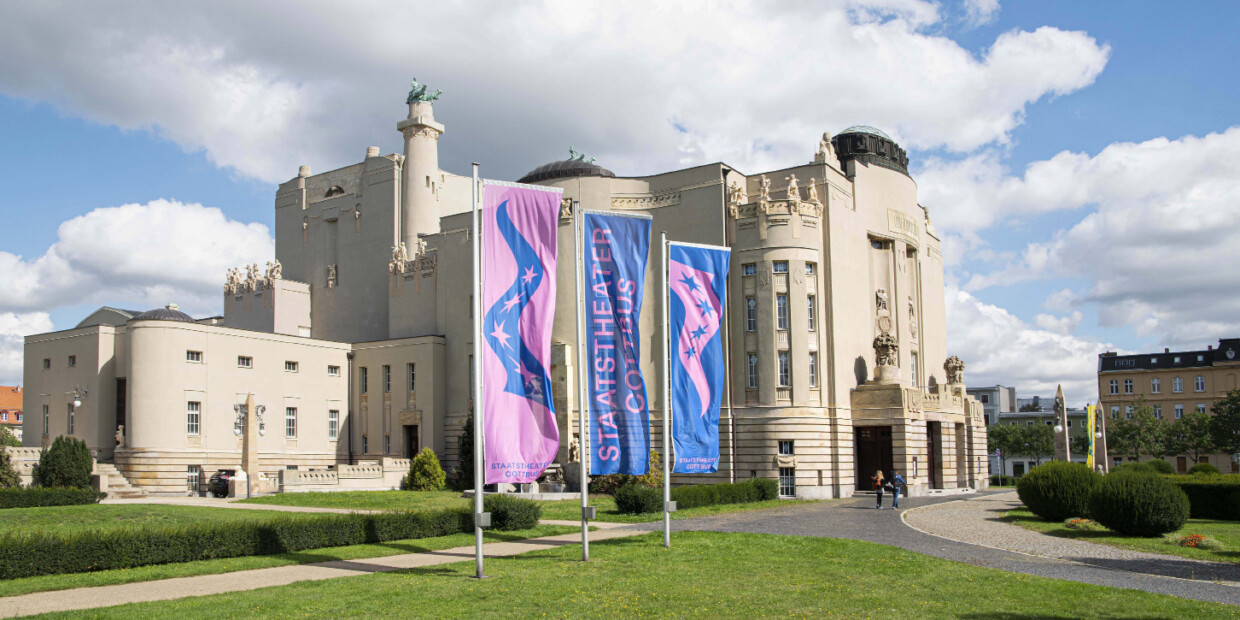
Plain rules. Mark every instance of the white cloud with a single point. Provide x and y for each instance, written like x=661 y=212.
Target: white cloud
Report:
x=263 y=87
x=1064 y=325
x=14 y=327
x=137 y=255
x=999 y=348
x=980 y=12
x=1160 y=248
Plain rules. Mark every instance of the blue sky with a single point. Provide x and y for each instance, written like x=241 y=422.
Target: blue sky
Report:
x=1121 y=235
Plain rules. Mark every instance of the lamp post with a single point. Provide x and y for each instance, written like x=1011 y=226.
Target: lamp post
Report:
x=249 y=428
x=79 y=394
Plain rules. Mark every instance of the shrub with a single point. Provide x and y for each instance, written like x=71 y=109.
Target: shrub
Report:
x=511 y=513
x=425 y=473
x=1203 y=468
x=1134 y=467
x=1058 y=490
x=7 y=438
x=1211 y=496
x=464 y=478
x=608 y=484
x=9 y=478
x=1003 y=481
x=33 y=497
x=1161 y=466
x=24 y=554
x=1138 y=504
x=633 y=499
x=66 y=464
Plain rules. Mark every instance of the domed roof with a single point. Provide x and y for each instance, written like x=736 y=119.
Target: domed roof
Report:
x=575 y=166
x=167 y=313
x=873 y=131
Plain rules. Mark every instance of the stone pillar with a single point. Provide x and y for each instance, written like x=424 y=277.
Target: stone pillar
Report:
x=419 y=181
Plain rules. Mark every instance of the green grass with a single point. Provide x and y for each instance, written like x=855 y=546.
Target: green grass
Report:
x=69 y=519
x=705 y=574
x=13 y=587
x=569 y=509
x=1226 y=532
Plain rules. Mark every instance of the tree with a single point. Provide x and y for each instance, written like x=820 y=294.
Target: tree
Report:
x=425 y=473
x=465 y=448
x=1225 y=426
x=1191 y=435
x=7 y=438
x=9 y=478
x=1036 y=442
x=1079 y=444
x=1142 y=435
x=66 y=464
x=1003 y=438
x=1030 y=407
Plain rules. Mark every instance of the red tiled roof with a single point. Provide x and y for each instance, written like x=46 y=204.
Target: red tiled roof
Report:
x=10 y=397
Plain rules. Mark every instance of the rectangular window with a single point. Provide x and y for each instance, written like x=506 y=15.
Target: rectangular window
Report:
x=46 y=421
x=811 y=311
x=1114 y=386
x=365 y=444
x=1069 y=423
x=1127 y=386
x=813 y=369
x=333 y=424
x=1153 y=360
x=912 y=369
x=413 y=377
x=193 y=357
x=1199 y=384
x=1177 y=359
x=810 y=268
x=786 y=448
x=193 y=418
x=245 y=362
x=333 y=371
x=751 y=314
x=4 y=416
x=785 y=373
x=781 y=311
x=1115 y=412
x=290 y=366
x=387 y=378
x=1128 y=412
x=387 y=444
x=1177 y=385
x=70 y=416
x=193 y=474
x=749 y=269
x=1156 y=385
x=753 y=371
x=1157 y=412
x=787 y=482
x=781 y=266
x=983 y=398
x=365 y=383
x=1201 y=358
x=47 y=363
x=19 y=416
x=1179 y=411
x=290 y=422
x=72 y=361
x=1201 y=407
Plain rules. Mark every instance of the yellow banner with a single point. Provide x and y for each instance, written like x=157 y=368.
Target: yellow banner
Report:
x=1090 y=422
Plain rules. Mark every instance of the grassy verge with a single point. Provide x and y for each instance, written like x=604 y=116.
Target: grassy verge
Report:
x=13 y=587
x=704 y=574
x=71 y=519
x=1226 y=532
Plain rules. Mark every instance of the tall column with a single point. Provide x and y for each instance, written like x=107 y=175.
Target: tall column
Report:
x=419 y=182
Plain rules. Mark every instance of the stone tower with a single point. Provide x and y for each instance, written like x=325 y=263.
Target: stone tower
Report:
x=420 y=176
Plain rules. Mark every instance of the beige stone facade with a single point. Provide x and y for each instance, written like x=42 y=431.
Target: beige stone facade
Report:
x=374 y=267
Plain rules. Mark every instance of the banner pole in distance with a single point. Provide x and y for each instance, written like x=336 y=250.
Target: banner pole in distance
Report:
x=583 y=407
x=478 y=422
x=667 y=397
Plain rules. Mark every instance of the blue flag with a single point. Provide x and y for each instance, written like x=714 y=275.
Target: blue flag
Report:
x=616 y=248
x=697 y=277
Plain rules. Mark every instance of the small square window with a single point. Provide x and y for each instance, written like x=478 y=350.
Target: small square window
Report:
x=1177 y=359
x=47 y=363
x=1201 y=358
x=290 y=366
x=810 y=268
x=194 y=357
x=333 y=371
x=781 y=266
x=245 y=361
x=72 y=361
x=749 y=269
x=786 y=448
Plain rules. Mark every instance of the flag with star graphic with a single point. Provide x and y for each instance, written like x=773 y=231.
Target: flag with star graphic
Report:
x=697 y=279
x=519 y=224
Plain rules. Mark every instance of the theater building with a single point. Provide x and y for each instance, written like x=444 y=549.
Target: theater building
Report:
x=839 y=363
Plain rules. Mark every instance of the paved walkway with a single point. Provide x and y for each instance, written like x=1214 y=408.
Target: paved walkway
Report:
x=218 y=502
x=203 y=585
x=859 y=520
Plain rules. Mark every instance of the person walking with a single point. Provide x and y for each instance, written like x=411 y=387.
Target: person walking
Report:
x=878 y=487
x=897 y=481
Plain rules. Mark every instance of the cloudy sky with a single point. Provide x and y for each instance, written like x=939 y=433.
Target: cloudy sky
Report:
x=1081 y=159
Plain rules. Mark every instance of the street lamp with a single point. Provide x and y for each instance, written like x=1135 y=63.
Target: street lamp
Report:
x=79 y=393
x=1058 y=428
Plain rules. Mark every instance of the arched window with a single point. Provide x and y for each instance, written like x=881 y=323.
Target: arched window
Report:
x=335 y=190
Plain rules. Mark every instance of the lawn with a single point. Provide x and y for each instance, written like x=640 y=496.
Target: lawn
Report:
x=705 y=574
x=566 y=509
x=13 y=587
x=69 y=519
x=1226 y=532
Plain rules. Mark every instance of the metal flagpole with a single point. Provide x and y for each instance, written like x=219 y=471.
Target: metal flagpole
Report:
x=583 y=407
x=478 y=415
x=667 y=399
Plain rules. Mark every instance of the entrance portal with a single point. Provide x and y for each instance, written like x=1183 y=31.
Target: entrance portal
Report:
x=873 y=446
x=411 y=441
x=934 y=441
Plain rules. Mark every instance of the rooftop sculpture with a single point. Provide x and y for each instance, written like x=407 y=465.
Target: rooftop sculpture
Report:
x=417 y=93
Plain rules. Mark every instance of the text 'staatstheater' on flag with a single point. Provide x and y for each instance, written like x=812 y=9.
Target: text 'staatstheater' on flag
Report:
x=518 y=302
x=697 y=277
x=616 y=248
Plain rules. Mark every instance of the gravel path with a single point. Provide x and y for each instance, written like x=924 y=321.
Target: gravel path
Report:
x=979 y=522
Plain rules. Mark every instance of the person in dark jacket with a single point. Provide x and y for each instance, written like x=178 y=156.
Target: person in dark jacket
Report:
x=878 y=487
x=897 y=481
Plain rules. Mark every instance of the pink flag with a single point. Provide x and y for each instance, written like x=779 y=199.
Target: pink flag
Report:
x=519 y=225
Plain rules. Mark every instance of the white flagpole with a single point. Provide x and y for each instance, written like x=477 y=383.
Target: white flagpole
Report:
x=479 y=427
x=583 y=407
x=667 y=398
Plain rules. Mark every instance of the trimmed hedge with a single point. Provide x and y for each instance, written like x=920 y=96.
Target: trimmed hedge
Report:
x=637 y=499
x=1003 y=480
x=26 y=554
x=1202 y=468
x=1139 y=504
x=1211 y=496
x=511 y=513
x=33 y=497
x=1155 y=466
x=1058 y=490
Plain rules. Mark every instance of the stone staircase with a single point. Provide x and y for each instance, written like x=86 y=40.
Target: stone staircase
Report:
x=118 y=485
